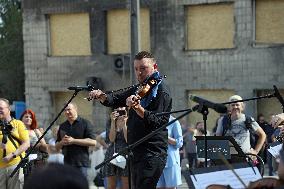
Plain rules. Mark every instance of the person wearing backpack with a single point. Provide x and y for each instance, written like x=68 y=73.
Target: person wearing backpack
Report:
x=241 y=127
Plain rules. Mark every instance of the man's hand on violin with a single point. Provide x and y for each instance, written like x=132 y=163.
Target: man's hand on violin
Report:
x=132 y=101
x=97 y=94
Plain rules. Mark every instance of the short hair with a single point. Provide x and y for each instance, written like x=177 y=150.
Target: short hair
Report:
x=259 y=115
x=5 y=100
x=56 y=176
x=235 y=98
x=145 y=54
x=73 y=104
x=198 y=122
x=34 y=121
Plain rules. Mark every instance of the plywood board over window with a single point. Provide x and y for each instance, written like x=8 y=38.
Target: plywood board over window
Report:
x=269 y=21
x=118 y=30
x=210 y=26
x=218 y=96
x=70 y=34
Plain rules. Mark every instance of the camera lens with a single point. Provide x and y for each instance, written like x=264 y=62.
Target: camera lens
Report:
x=121 y=112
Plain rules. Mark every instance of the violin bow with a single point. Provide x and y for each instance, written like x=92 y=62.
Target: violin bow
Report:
x=231 y=168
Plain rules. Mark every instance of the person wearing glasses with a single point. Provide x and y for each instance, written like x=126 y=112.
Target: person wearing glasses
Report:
x=14 y=138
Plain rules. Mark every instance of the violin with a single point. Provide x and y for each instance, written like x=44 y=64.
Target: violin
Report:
x=263 y=183
x=266 y=183
x=144 y=88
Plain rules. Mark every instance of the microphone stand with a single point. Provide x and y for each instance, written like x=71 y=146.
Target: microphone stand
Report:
x=129 y=148
x=25 y=159
x=204 y=111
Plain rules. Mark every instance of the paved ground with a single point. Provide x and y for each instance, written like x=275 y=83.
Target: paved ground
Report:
x=184 y=184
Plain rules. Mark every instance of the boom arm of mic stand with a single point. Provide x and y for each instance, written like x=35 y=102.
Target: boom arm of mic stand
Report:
x=172 y=112
x=26 y=158
x=249 y=99
x=131 y=146
x=279 y=97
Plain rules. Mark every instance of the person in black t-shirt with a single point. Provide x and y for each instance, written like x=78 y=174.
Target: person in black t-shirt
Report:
x=149 y=157
x=74 y=137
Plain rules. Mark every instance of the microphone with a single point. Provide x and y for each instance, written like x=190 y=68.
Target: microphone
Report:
x=278 y=96
x=81 y=88
x=220 y=108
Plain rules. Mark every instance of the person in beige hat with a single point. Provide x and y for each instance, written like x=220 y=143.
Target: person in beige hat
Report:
x=238 y=127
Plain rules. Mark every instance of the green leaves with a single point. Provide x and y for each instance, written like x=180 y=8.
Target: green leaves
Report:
x=11 y=51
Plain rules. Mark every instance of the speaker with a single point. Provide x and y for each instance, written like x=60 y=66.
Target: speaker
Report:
x=96 y=82
x=121 y=62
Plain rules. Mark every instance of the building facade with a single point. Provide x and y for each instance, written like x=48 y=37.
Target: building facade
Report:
x=210 y=48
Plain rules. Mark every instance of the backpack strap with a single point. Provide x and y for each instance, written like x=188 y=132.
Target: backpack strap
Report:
x=226 y=123
x=248 y=122
x=13 y=139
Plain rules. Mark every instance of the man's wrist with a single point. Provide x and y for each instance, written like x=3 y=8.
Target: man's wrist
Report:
x=136 y=107
x=14 y=155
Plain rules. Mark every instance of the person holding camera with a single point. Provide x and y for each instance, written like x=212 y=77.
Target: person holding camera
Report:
x=117 y=134
x=15 y=141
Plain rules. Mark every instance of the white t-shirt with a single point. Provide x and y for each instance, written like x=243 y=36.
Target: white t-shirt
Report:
x=239 y=132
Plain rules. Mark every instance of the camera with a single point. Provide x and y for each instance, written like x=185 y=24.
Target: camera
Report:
x=6 y=127
x=121 y=112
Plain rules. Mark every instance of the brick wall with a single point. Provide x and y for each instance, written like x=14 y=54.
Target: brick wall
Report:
x=243 y=68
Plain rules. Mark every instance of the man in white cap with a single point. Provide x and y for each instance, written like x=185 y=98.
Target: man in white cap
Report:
x=238 y=128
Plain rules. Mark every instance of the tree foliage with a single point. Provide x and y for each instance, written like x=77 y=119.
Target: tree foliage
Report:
x=11 y=51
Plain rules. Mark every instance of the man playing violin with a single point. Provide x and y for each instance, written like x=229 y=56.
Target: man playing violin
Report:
x=149 y=157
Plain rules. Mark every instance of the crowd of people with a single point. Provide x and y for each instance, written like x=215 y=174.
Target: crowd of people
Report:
x=155 y=162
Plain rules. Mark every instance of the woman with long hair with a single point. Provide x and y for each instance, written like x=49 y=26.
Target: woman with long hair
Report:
x=28 y=117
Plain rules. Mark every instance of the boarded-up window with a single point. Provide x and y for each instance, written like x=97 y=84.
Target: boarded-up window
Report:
x=218 y=96
x=210 y=26
x=84 y=106
x=70 y=34
x=269 y=21
x=268 y=106
x=118 y=30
